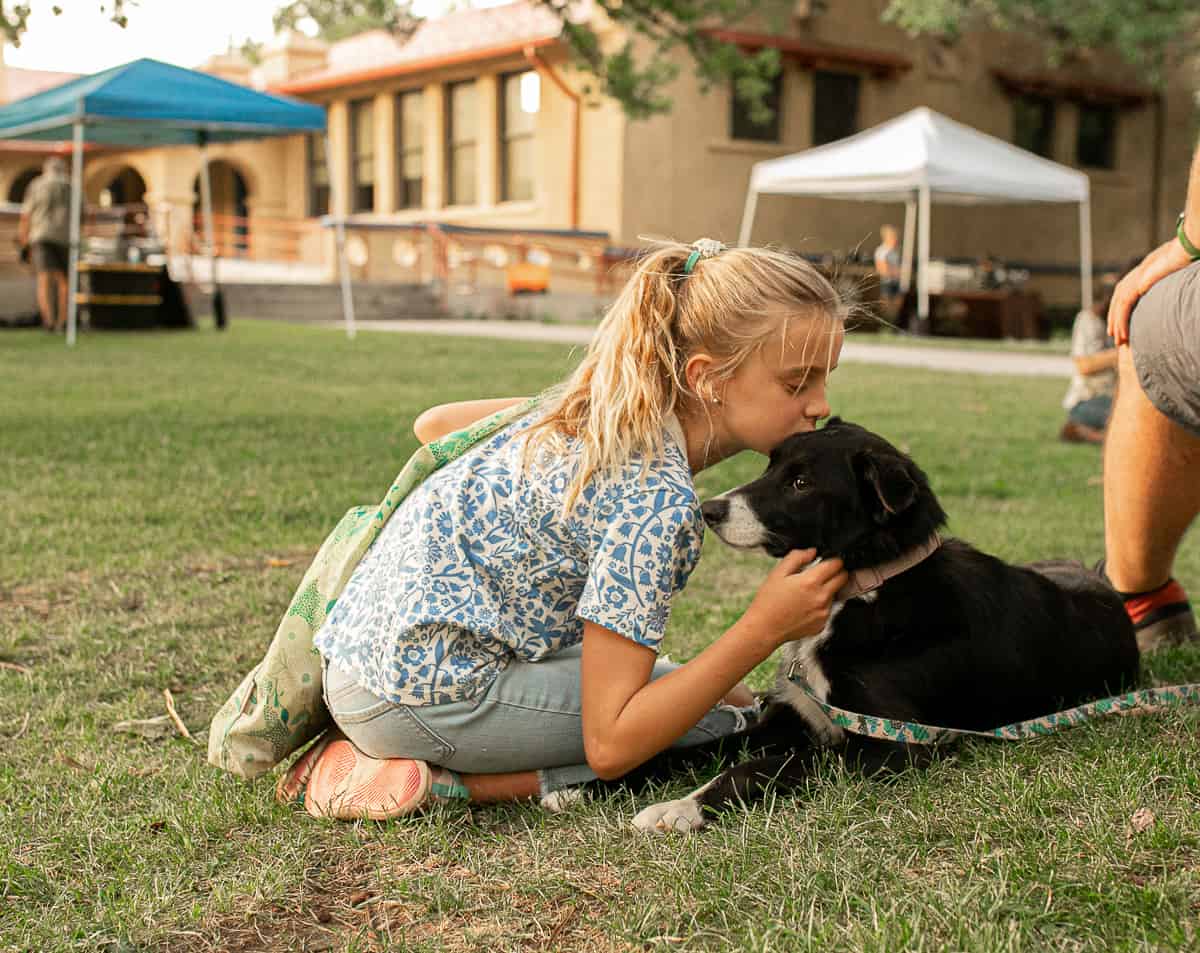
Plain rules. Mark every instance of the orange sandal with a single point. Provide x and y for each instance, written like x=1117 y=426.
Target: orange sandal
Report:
x=292 y=785
x=345 y=784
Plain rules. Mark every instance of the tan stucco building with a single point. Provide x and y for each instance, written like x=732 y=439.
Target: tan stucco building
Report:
x=480 y=120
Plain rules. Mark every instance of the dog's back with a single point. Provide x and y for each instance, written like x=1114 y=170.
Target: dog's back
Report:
x=965 y=640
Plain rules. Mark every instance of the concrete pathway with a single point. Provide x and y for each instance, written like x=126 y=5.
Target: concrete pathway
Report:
x=939 y=358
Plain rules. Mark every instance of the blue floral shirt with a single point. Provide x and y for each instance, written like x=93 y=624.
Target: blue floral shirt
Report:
x=478 y=566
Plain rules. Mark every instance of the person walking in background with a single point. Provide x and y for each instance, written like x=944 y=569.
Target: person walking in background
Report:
x=1089 y=397
x=888 y=267
x=46 y=227
x=1152 y=453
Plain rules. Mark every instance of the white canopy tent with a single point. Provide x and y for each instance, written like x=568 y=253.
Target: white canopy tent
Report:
x=922 y=157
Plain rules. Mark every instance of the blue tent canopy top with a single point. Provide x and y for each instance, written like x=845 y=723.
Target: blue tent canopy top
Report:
x=150 y=103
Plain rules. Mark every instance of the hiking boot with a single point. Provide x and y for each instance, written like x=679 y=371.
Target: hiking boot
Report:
x=1162 y=617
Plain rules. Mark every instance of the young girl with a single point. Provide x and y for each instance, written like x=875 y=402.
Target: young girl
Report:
x=500 y=637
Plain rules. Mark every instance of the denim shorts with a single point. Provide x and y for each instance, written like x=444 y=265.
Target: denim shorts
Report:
x=1164 y=335
x=528 y=719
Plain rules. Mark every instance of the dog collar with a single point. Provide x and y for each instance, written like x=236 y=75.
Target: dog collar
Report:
x=865 y=580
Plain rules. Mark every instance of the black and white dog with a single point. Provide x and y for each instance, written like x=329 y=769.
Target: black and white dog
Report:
x=927 y=631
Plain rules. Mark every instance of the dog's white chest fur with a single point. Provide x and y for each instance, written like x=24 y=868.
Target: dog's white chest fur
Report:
x=800 y=657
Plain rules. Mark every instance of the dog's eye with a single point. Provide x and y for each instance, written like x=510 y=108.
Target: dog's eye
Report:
x=801 y=483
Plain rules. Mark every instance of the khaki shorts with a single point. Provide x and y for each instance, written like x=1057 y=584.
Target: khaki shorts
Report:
x=1164 y=335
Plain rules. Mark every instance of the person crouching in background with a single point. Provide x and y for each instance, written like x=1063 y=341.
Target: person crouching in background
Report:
x=1088 y=401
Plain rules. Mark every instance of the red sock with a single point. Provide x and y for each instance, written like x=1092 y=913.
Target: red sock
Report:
x=1146 y=608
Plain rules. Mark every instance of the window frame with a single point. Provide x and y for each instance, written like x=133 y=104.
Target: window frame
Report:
x=317 y=158
x=1113 y=115
x=1050 y=107
x=507 y=139
x=356 y=154
x=857 y=84
x=453 y=196
x=742 y=129
x=403 y=150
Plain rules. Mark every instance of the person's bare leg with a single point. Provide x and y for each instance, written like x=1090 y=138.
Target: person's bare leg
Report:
x=60 y=281
x=488 y=788
x=44 y=302
x=1151 y=489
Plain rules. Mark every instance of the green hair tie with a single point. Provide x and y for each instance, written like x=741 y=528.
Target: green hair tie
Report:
x=702 y=248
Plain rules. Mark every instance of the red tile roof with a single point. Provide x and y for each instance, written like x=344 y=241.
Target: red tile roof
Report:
x=455 y=37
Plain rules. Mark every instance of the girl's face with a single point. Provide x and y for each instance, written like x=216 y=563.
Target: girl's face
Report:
x=780 y=389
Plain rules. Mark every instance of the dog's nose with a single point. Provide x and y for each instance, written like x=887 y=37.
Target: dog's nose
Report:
x=714 y=511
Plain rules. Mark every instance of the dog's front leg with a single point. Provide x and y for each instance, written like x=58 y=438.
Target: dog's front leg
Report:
x=742 y=784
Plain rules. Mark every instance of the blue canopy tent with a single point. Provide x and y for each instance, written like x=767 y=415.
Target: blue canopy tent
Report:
x=148 y=103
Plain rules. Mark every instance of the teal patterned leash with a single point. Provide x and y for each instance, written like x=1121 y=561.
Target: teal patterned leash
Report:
x=1145 y=700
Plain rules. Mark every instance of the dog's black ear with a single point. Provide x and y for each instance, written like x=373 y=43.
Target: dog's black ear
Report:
x=833 y=422
x=886 y=483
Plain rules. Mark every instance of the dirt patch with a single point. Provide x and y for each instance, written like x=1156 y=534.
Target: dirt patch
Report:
x=362 y=900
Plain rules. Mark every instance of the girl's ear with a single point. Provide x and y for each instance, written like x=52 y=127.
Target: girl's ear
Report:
x=696 y=373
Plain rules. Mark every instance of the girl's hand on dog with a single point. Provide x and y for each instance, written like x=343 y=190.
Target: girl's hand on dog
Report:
x=793 y=602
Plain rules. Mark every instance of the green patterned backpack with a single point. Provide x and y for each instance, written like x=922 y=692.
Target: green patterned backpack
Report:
x=278 y=707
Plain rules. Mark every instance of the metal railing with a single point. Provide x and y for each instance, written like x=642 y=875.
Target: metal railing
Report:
x=257 y=238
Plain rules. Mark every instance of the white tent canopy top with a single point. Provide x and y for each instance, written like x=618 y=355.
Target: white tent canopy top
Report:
x=922 y=148
x=924 y=157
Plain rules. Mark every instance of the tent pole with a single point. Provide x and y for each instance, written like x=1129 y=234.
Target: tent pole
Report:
x=76 y=231
x=748 y=218
x=906 y=253
x=206 y=203
x=340 y=223
x=1085 y=254
x=923 y=260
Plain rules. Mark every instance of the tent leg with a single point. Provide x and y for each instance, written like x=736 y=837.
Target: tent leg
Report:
x=1085 y=254
x=906 y=252
x=343 y=265
x=923 y=324
x=206 y=201
x=748 y=218
x=76 y=232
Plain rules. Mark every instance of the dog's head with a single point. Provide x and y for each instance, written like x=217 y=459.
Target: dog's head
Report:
x=842 y=490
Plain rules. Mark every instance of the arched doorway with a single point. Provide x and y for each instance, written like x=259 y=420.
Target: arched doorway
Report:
x=16 y=191
x=121 y=204
x=231 y=209
x=126 y=187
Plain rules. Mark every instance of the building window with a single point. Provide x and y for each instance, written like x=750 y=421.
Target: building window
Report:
x=318 y=176
x=1096 y=143
x=741 y=126
x=362 y=155
x=835 y=106
x=410 y=137
x=1033 y=124
x=462 y=143
x=520 y=100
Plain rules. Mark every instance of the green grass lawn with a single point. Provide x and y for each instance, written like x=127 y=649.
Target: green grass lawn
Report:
x=160 y=495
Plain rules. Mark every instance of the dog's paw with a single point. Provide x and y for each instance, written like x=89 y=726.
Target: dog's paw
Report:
x=683 y=815
x=556 y=802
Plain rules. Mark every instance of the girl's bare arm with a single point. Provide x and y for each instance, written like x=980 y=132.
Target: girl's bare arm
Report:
x=446 y=418
x=627 y=718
